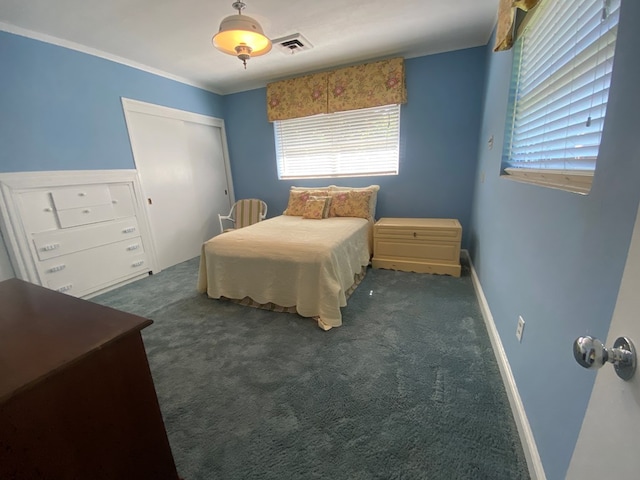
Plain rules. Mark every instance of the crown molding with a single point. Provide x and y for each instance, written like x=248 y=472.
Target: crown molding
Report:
x=60 y=42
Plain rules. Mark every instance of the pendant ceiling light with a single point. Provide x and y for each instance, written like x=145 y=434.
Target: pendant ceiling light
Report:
x=241 y=36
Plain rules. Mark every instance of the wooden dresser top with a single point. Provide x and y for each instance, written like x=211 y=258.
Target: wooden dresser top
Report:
x=42 y=331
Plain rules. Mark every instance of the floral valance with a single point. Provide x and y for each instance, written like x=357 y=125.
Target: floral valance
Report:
x=368 y=85
x=506 y=21
x=350 y=88
x=305 y=96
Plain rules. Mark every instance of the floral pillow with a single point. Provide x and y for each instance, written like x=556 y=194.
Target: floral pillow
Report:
x=372 y=188
x=298 y=199
x=350 y=203
x=316 y=208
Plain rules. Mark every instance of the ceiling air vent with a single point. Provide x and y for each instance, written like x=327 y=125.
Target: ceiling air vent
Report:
x=292 y=44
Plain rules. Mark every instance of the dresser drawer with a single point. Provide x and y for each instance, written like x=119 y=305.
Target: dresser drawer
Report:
x=89 y=270
x=74 y=217
x=81 y=196
x=37 y=212
x=63 y=242
x=443 y=252
x=419 y=228
x=122 y=200
x=418 y=266
x=437 y=234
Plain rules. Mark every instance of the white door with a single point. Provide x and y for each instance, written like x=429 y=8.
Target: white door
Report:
x=205 y=149
x=184 y=173
x=608 y=442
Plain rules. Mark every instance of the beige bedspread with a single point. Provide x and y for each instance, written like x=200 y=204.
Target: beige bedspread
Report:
x=290 y=261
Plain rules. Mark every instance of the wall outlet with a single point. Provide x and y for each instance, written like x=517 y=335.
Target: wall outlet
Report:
x=520 y=329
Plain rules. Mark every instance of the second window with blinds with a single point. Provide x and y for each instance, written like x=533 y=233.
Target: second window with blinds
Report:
x=563 y=60
x=355 y=143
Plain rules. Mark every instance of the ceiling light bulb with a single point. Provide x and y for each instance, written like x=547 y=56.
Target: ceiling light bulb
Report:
x=241 y=36
x=244 y=54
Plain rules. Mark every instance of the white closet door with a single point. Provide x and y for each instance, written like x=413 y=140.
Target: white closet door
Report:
x=184 y=175
x=207 y=161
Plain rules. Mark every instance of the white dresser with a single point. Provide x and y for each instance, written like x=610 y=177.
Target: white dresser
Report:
x=80 y=232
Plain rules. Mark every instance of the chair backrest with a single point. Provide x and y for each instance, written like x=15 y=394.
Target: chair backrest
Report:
x=249 y=211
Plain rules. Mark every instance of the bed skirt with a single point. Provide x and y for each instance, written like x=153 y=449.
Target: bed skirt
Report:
x=249 y=302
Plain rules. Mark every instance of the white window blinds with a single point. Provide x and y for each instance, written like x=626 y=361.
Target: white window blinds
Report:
x=560 y=86
x=345 y=144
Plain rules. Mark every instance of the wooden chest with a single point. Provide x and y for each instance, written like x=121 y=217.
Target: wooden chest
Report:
x=423 y=245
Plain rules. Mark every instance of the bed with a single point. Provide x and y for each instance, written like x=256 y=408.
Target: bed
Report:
x=301 y=263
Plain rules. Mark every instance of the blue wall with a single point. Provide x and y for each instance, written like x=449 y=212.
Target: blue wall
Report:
x=438 y=143
x=554 y=257
x=60 y=109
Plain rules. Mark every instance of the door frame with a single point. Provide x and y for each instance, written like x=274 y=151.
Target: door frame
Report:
x=130 y=106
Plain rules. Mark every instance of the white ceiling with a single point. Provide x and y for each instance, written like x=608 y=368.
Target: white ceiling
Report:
x=173 y=37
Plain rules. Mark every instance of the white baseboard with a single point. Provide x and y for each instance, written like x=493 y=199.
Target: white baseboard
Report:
x=536 y=470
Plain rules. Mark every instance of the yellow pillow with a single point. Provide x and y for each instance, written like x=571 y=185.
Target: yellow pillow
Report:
x=372 y=188
x=315 y=208
x=350 y=203
x=298 y=199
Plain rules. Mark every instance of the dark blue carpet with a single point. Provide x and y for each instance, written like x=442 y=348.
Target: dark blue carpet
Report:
x=407 y=388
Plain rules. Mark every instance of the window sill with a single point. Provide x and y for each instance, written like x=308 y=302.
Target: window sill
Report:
x=575 y=181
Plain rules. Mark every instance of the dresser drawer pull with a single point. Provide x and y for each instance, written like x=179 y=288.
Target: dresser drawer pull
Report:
x=48 y=209
x=138 y=263
x=133 y=247
x=57 y=268
x=50 y=246
x=65 y=288
x=129 y=230
x=82 y=194
x=86 y=210
x=415 y=234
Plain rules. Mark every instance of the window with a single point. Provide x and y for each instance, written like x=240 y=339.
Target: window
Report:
x=563 y=61
x=344 y=144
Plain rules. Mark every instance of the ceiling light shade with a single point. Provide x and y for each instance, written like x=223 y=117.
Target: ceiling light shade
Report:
x=241 y=36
